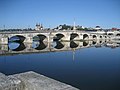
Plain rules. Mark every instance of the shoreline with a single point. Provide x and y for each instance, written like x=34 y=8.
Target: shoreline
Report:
x=31 y=81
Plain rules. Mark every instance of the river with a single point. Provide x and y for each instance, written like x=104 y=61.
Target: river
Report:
x=86 y=65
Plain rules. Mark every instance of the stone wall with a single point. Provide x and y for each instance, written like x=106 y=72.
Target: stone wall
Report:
x=10 y=83
x=31 y=81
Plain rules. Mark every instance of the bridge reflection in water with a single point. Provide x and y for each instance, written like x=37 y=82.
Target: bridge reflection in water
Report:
x=92 y=68
x=40 y=47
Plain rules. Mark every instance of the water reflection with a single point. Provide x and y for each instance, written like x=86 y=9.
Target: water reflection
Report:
x=94 y=42
x=94 y=68
x=59 y=45
x=17 y=38
x=55 y=46
x=14 y=46
x=85 y=43
x=73 y=44
x=39 y=45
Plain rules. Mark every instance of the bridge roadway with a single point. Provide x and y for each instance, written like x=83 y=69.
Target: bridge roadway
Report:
x=49 y=36
x=25 y=48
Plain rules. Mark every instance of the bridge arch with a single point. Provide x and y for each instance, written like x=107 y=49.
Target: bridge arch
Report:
x=58 y=37
x=17 y=38
x=94 y=42
x=73 y=44
x=74 y=36
x=94 y=37
x=40 y=45
x=40 y=37
x=85 y=43
x=110 y=34
x=118 y=34
x=85 y=36
x=59 y=45
x=100 y=42
x=17 y=46
x=101 y=37
x=105 y=37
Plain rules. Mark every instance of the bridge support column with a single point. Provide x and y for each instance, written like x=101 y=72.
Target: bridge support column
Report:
x=90 y=37
x=66 y=38
x=81 y=37
x=4 y=40
x=90 y=43
x=28 y=40
x=4 y=47
x=80 y=44
x=28 y=46
x=50 y=38
x=67 y=44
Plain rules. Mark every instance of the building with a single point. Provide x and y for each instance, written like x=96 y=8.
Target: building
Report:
x=39 y=27
x=114 y=29
x=97 y=28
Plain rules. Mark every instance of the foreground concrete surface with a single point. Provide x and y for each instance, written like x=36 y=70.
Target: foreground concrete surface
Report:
x=31 y=81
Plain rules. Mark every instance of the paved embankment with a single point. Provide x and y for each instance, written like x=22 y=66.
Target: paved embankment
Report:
x=31 y=81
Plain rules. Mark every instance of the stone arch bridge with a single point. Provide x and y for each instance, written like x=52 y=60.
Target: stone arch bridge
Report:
x=49 y=36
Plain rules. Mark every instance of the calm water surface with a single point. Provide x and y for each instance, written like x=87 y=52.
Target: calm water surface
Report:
x=94 y=67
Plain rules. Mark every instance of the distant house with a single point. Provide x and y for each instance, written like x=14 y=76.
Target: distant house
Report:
x=90 y=28
x=59 y=27
x=118 y=29
x=114 y=29
x=39 y=27
x=97 y=28
x=81 y=27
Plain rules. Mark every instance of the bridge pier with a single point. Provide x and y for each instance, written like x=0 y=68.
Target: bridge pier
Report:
x=80 y=44
x=4 y=47
x=28 y=46
x=90 y=43
x=50 y=38
x=81 y=37
x=91 y=37
x=4 y=40
x=66 y=38
x=28 y=40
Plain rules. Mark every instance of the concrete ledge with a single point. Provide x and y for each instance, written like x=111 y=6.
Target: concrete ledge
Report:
x=10 y=83
x=31 y=81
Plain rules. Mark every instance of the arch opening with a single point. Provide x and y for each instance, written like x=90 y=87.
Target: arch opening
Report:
x=59 y=45
x=100 y=37
x=73 y=36
x=105 y=36
x=16 y=38
x=94 y=37
x=58 y=37
x=94 y=42
x=40 y=38
x=14 y=46
x=85 y=43
x=73 y=44
x=85 y=37
x=118 y=34
x=110 y=34
x=100 y=42
x=39 y=45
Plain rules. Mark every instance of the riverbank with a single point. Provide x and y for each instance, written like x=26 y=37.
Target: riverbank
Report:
x=31 y=81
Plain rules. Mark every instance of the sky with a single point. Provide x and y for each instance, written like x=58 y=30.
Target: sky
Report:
x=51 y=13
